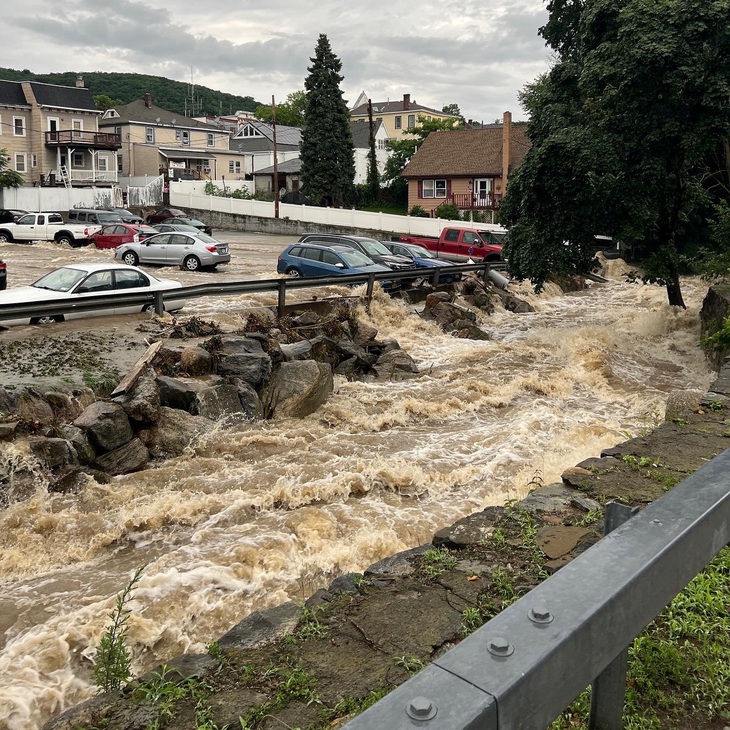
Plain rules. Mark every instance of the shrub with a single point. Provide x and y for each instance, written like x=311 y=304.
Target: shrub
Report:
x=448 y=210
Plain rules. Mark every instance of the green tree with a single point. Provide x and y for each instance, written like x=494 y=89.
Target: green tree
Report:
x=289 y=113
x=8 y=178
x=104 y=102
x=327 y=154
x=454 y=110
x=625 y=130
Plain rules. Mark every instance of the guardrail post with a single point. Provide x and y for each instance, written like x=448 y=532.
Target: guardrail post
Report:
x=159 y=303
x=281 y=303
x=609 y=688
x=435 y=279
x=369 y=290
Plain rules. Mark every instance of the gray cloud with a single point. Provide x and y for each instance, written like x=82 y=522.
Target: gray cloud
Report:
x=455 y=51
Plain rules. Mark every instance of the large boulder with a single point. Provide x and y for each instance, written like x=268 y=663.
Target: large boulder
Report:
x=52 y=452
x=174 y=431
x=299 y=388
x=142 y=402
x=196 y=361
x=395 y=364
x=243 y=358
x=131 y=457
x=79 y=440
x=106 y=425
x=33 y=408
x=177 y=392
x=250 y=402
x=65 y=408
x=8 y=400
x=218 y=401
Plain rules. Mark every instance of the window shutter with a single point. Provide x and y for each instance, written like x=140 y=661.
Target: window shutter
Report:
x=420 y=188
x=448 y=188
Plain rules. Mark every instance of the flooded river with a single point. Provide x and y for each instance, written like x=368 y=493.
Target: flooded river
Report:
x=263 y=513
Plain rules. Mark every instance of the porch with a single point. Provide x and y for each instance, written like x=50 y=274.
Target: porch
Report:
x=80 y=138
x=469 y=201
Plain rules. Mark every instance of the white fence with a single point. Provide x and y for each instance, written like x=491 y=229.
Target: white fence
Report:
x=59 y=199
x=342 y=217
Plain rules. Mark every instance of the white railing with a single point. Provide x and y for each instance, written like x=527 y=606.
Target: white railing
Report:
x=344 y=217
x=109 y=176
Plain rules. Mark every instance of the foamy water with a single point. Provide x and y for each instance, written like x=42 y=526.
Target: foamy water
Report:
x=263 y=513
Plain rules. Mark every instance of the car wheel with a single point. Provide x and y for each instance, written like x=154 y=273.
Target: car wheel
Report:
x=5 y=237
x=65 y=239
x=294 y=273
x=191 y=263
x=130 y=258
x=149 y=308
x=47 y=319
x=491 y=259
x=92 y=242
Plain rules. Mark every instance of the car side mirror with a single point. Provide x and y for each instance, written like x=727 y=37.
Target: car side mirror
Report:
x=340 y=265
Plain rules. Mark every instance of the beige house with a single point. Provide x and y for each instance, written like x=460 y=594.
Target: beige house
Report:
x=155 y=141
x=468 y=168
x=52 y=135
x=396 y=116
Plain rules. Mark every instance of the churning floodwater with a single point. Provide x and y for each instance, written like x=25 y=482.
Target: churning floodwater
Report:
x=258 y=514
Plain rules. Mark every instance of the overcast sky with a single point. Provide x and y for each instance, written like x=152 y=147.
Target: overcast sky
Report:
x=474 y=53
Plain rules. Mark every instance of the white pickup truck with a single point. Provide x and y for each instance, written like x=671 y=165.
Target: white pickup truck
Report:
x=46 y=226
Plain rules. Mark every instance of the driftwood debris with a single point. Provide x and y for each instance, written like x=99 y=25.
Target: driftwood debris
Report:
x=130 y=378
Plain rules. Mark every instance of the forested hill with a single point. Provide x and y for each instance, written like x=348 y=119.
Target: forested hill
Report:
x=167 y=94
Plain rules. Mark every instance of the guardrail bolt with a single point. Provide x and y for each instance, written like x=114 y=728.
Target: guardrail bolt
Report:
x=421 y=708
x=540 y=615
x=500 y=647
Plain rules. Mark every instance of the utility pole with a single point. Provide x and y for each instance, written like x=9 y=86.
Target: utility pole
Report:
x=276 y=162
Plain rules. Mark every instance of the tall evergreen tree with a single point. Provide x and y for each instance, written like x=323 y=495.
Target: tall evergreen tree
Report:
x=327 y=154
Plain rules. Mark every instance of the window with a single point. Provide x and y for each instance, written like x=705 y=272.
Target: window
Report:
x=103 y=166
x=234 y=167
x=120 y=164
x=178 y=135
x=398 y=122
x=211 y=139
x=381 y=144
x=20 y=162
x=77 y=127
x=77 y=159
x=19 y=126
x=34 y=160
x=130 y=279
x=149 y=135
x=185 y=137
x=434 y=189
x=411 y=121
x=118 y=130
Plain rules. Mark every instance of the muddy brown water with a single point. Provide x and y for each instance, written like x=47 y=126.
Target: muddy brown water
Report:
x=254 y=515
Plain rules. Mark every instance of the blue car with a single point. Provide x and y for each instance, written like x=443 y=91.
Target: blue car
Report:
x=423 y=259
x=311 y=259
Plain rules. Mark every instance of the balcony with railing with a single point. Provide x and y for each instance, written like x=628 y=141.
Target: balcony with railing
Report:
x=469 y=201
x=81 y=138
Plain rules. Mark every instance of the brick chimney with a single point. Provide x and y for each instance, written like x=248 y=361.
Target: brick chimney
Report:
x=406 y=102
x=79 y=82
x=506 y=147
x=147 y=100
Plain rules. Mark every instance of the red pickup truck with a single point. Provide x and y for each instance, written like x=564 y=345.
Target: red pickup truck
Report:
x=462 y=244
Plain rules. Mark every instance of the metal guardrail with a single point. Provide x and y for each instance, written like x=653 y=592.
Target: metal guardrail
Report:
x=47 y=308
x=521 y=669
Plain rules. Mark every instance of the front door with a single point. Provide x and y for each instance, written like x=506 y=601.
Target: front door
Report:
x=483 y=192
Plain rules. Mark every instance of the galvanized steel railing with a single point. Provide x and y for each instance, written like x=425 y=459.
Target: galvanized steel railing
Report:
x=527 y=664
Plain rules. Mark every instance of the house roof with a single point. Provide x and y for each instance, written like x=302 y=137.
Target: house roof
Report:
x=289 y=167
x=50 y=95
x=393 y=107
x=138 y=112
x=361 y=133
x=181 y=153
x=467 y=152
x=284 y=135
x=11 y=94
x=64 y=97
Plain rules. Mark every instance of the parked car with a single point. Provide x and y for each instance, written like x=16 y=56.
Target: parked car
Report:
x=3 y=274
x=171 y=227
x=69 y=283
x=119 y=233
x=313 y=259
x=369 y=246
x=127 y=215
x=93 y=216
x=423 y=259
x=165 y=214
x=191 y=251
x=11 y=215
x=195 y=223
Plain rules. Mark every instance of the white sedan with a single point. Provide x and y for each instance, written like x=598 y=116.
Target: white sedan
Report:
x=70 y=284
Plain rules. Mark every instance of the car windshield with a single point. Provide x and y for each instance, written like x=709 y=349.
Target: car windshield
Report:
x=373 y=246
x=355 y=258
x=420 y=251
x=122 y=211
x=109 y=217
x=63 y=279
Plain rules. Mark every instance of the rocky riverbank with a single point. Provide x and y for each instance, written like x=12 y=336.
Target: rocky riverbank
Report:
x=315 y=665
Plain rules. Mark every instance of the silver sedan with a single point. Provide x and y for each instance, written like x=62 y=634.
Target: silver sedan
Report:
x=188 y=250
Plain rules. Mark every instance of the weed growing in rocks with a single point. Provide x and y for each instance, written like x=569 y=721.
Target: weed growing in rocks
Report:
x=436 y=561
x=113 y=661
x=412 y=665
